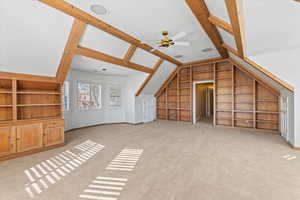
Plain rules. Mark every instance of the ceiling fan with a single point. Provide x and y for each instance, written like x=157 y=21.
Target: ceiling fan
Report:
x=168 y=41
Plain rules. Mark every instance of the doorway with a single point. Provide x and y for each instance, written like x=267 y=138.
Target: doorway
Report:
x=203 y=102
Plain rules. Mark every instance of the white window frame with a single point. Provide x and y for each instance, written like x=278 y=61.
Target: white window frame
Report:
x=66 y=96
x=77 y=95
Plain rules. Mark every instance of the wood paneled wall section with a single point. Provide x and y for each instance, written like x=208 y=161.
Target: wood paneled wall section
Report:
x=240 y=100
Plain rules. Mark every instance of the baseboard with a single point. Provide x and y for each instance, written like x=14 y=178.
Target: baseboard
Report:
x=102 y=124
x=293 y=147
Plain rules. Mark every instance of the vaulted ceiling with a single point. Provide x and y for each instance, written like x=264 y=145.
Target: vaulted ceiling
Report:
x=34 y=35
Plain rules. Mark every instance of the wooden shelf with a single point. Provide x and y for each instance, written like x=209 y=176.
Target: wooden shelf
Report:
x=39 y=92
x=267 y=121
x=31 y=105
x=224 y=70
x=270 y=101
x=267 y=112
x=6 y=92
x=243 y=93
x=5 y=106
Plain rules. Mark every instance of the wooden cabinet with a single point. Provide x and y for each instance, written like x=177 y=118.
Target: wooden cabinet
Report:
x=29 y=137
x=7 y=140
x=53 y=132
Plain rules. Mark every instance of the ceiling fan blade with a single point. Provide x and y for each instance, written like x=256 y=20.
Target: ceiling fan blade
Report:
x=182 y=43
x=178 y=36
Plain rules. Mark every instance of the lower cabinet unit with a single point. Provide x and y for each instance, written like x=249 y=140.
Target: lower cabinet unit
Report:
x=29 y=137
x=54 y=133
x=7 y=140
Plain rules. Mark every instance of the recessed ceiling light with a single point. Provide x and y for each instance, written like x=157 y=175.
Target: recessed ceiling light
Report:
x=98 y=9
x=207 y=50
x=178 y=56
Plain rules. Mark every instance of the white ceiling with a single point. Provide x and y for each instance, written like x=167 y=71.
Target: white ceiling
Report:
x=82 y=63
x=33 y=37
x=271 y=26
x=145 y=20
x=158 y=78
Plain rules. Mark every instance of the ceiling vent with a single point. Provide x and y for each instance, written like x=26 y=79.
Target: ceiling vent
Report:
x=178 y=56
x=207 y=50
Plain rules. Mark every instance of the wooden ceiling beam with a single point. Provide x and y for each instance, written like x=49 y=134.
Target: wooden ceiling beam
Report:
x=83 y=51
x=221 y=23
x=69 y=51
x=129 y=53
x=235 y=15
x=155 y=68
x=77 y=13
x=201 y=12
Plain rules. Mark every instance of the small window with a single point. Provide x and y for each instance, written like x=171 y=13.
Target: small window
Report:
x=89 y=96
x=66 y=96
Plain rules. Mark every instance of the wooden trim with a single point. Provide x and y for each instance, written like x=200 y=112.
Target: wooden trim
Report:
x=235 y=15
x=233 y=96
x=83 y=51
x=201 y=12
x=230 y=49
x=221 y=23
x=69 y=51
x=27 y=77
x=79 y=14
x=203 y=61
x=21 y=154
x=269 y=74
x=104 y=124
x=254 y=103
x=257 y=78
x=155 y=68
x=14 y=100
x=171 y=76
x=215 y=92
x=298 y=2
x=129 y=53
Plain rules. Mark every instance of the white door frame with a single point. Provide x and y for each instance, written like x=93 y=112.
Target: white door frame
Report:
x=194 y=96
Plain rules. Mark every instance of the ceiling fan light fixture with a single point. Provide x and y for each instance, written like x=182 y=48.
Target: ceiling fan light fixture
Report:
x=99 y=9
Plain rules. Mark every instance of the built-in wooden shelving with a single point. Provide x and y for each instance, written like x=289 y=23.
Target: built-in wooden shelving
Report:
x=240 y=100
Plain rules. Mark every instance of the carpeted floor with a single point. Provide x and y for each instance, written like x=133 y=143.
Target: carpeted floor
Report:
x=166 y=161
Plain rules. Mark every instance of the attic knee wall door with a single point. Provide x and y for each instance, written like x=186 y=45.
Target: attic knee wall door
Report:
x=240 y=101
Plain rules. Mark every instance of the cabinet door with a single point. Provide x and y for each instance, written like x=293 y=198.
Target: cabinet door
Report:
x=29 y=137
x=7 y=140
x=54 y=136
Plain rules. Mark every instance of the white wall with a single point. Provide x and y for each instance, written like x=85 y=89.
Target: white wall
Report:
x=79 y=118
x=285 y=65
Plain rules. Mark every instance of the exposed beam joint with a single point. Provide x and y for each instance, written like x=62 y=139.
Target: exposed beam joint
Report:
x=129 y=53
x=235 y=15
x=201 y=12
x=230 y=49
x=155 y=68
x=77 y=13
x=69 y=51
x=221 y=23
x=110 y=59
